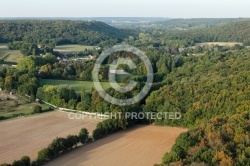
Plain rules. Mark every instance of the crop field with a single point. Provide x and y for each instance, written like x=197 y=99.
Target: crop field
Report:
x=230 y=44
x=9 y=55
x=120 y=74
x=78 y=86
x=27 y=136
x=141 y=145
x=72 y=48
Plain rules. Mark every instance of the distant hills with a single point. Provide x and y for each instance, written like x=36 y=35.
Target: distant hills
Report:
x=196 y=22
x=59 y=32
x=238 y=31
x=102 y=19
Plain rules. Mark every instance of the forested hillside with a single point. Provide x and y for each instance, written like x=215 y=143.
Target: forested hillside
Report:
x=59 y=32
x=223 y=140
x=166 y=24
x=195 y=23
x=233 y=32
x=213 y=93
x=204 y=87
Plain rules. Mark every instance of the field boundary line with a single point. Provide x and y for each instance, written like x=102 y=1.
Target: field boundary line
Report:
x=76 y=111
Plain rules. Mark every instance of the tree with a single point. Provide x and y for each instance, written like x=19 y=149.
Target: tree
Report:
x=67 y=94
x=98 y=134
x=58 y=146
x=44 y=156
x=28 y=89
x=27 y=65
x=85 y=101
x=25 y=160
x=50 y=58
x=71 y=104
x=9 y=83
x=83 y=136
x=170 y=157
x=72 y=141
x=45 y=70
x=24 y=78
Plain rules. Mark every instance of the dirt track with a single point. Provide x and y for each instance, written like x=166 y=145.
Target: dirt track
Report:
x=139 y=146
x=26 y=136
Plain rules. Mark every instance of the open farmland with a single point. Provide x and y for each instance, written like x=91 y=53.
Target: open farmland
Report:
x=27 y=136
x=72 y=48
x=78 y=86
x=9 y=55
x=141 y=145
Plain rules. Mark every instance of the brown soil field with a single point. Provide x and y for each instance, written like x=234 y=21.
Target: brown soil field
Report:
x=26 y=136
x=138 y=146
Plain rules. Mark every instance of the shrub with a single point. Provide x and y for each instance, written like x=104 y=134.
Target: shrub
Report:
x=83 y=136
x=15 y=103
x=72 y=141
x=25 y=161
x=37 y=109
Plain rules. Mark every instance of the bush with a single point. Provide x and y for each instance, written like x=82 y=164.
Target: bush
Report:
x=72 y=141
x=15 y=103
x=37 y=109
x=106 y=127
x=170 y=157
x=83 y=136
x=44 y=156
x=4 y=164
x=98 y=134
x=25 y=161
x=2 y=118
x=34 y=163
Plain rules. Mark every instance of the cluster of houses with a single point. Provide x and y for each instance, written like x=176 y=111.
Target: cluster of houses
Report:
x=88 y=58
x=66 y=61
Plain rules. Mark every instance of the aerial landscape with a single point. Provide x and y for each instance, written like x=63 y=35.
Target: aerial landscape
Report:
x=163 y=83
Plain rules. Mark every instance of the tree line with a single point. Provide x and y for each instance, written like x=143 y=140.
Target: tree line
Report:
x=57 y=147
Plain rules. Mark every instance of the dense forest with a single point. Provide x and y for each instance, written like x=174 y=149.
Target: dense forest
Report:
x=172 y=40
x=223 y=140
x=233 y=32
x=165 y=24
x=205 y=86
x=195 y=23
x=60 y=32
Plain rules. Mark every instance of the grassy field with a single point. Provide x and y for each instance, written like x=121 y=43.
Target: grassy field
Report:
x=13 y=106
x=73 y=48
x=78 y=86
x=9 y=55
x=26 y=136
x=119 y=77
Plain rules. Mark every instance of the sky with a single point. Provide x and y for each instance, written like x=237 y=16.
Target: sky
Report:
x=126 y=8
